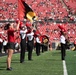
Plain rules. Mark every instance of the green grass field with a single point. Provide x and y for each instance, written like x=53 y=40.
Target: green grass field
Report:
x=48 y=63
x=71 y=62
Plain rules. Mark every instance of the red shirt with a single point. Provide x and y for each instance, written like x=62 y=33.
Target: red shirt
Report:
x=11 y=35
x=75 y=42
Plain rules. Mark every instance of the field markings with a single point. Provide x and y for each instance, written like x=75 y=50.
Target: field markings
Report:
x=64 y=68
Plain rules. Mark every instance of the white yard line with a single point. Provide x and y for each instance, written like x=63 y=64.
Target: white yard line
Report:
x=64 y=68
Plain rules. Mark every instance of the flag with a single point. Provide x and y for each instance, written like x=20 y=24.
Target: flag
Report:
x=72 y=1
x=20 y=10
x=25 y=11
x=63 y=28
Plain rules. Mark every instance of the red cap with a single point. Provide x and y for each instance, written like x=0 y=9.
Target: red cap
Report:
x=37 y=33
x=21 y=25
x=63 y=28
x=17 y=20
x=28 y=25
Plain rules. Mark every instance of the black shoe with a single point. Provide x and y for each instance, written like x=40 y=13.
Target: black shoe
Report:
x=9 y=69
x=21 y=61
x=30 y=59
x=63 y=59
x=38 y=54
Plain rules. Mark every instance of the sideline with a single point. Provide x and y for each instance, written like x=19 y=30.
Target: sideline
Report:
x=5 y=54
x=64 y=68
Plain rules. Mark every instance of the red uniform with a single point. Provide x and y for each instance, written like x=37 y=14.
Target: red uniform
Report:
x=11 y=35
x=11 y=39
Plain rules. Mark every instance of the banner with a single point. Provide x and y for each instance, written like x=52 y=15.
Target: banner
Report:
x=24 y=11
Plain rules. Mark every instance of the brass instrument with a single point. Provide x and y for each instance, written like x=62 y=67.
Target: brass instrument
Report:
x=31 y=16
x=45 y=41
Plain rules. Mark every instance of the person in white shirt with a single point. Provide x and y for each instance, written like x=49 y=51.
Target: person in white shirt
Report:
x=1 y=41
x=38 y=42
x=63 y=42
x=5 y=45
x=23 y=43
x=1 y=44
x=30 y=43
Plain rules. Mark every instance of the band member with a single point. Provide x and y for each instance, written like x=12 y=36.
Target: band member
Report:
x=30 y=43
x=75 y=43
x=11 y=42
x=63 y=42
x=42 y=45
x=1 y=44
x=5 y=44
x=45 y=41
x=1 y=40
x=38 y=44
x=23 y=43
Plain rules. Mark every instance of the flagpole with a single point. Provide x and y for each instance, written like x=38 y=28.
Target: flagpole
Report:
x=18 y=9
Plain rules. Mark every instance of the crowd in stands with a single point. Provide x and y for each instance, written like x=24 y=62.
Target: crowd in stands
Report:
x=51 y=30
x=3 y=37
x=53 y=9
x=8 y=10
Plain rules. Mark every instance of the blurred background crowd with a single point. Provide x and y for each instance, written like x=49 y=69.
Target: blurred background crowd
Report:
x=51 y=13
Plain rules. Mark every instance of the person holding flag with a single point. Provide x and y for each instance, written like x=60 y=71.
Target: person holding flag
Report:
x=62 y=41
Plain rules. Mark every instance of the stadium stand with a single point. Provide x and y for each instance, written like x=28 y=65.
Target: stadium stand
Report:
x=51 y=10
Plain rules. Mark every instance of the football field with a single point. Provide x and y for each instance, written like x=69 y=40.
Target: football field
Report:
x=48 y=63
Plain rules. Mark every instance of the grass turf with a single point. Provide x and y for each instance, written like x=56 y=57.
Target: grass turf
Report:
x=71 y=62
x=48 y=63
